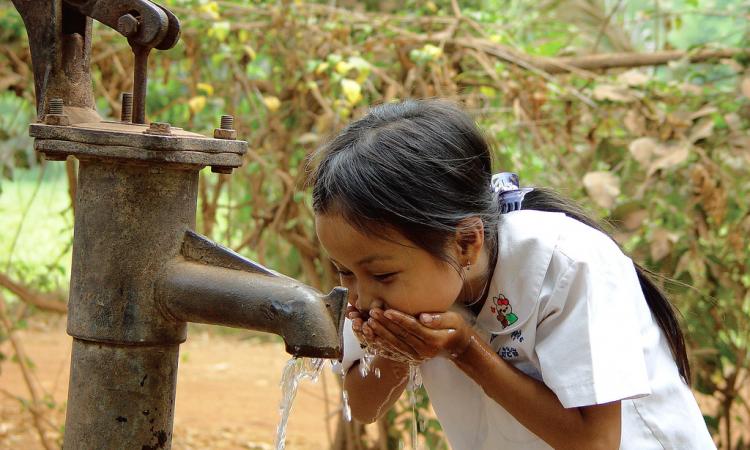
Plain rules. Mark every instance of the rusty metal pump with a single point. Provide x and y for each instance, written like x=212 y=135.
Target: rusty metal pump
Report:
x=139 y=271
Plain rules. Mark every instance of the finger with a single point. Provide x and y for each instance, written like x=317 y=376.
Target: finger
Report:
x=442 y=321
x=410 y=325
x=396 y=355
x=357 y=325
x=388 y=338
x=403 y=335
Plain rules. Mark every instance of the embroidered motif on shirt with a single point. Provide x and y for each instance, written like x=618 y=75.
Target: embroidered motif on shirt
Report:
x=516 y=336
x=503 y=311
x=508 y=352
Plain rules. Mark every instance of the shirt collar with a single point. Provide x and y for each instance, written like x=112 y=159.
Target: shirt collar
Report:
x=523 y=256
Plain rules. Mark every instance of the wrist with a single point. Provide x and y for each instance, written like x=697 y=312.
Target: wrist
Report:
x=459 y=351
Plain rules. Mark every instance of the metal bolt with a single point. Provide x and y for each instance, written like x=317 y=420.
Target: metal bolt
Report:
x=227 y=122
x=161 y=128
x=126 y=108
x=56 y=106
x=226 y=129
x=55 y=116
x=127 y=25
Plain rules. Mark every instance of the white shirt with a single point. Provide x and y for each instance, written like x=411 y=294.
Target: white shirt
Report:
x=565 y=306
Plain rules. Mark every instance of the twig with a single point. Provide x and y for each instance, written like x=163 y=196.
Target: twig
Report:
x=25 y=212
x=47 y=302
x=36 y=412
x=604 y=26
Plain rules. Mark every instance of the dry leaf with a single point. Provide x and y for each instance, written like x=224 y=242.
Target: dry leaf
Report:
x=661 y=243
x=272 y=103
x=672 y=155
x=745 y=87
x=613 y=93
x=703 y=129
x=633 y=77
x=634 y=220
x=635 y=122
x=308 y=138
x=706 y=110
x=733 y=121
x=643 y=149
x=603 y=188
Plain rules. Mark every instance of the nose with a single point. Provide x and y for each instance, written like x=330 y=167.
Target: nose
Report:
x=363 y=297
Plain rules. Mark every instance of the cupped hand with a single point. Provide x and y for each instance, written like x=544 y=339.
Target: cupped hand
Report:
x=366 y=338
x=415 y=340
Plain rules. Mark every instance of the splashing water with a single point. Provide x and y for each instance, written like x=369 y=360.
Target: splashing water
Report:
x=414 y=383
x=347 y=410
x=365 y=364
x=295 y=370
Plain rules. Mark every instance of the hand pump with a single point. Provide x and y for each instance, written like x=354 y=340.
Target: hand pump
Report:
x=139 y=271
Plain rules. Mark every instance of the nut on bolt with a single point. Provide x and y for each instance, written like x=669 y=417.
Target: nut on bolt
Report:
x=55 y=156
x=222 y=169
x=55 y=115
x=127 y=25
x=226 y=130
x=159 y=128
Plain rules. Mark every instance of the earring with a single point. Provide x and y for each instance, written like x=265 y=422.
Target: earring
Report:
x=467 y=267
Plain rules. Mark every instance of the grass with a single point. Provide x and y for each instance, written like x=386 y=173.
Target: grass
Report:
x=36 y=226
x=36 y=234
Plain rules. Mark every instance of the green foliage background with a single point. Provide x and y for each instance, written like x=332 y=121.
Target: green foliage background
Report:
x=660 y=153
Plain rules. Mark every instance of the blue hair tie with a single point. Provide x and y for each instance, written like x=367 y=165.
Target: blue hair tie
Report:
x=509 y=194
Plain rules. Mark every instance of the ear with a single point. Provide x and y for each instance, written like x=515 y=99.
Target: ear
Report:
x=469 y=239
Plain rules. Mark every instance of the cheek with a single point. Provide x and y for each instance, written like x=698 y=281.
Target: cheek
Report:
x=435 y=295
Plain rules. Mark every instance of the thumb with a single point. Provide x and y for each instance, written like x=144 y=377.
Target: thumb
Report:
x=439 y=320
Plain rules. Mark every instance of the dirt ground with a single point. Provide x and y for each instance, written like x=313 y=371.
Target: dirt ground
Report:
x=227 y=392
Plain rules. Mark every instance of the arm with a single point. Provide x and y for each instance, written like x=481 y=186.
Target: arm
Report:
x=370 y=397
x=531 y=402
x=536 y=407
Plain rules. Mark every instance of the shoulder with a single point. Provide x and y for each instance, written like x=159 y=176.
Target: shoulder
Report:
x=529 y=234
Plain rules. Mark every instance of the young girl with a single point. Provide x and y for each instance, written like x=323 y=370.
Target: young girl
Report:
x=530 y=327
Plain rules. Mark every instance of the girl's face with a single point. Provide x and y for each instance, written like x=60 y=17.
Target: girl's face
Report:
x=391 y=273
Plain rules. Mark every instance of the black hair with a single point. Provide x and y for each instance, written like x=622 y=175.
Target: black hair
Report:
x=422 y=167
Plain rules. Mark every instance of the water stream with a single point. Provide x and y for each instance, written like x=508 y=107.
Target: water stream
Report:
x=295 y=370
x=414 y=383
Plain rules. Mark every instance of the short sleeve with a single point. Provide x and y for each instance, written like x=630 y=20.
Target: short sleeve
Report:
x=588 y=341
x=352 y=350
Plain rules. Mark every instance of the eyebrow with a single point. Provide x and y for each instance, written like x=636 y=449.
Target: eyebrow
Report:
x=366 y=260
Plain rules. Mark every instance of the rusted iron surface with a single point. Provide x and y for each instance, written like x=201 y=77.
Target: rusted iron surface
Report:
x=123 y=396
x=226 y=129
x=130 y=221
x=140 y=82
x=60 y=44
x=131 y=135
x=139 y=273
x=205 y=251
x=151 y=26
x=178 y=159
x=307 y=321
x=260 y=299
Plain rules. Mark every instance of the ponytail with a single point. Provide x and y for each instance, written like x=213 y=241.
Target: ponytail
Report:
x=542 y=199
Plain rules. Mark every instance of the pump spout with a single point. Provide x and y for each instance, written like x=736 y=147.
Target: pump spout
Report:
x=211 y=284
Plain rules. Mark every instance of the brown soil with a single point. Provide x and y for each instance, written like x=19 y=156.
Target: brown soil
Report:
x=227 y=392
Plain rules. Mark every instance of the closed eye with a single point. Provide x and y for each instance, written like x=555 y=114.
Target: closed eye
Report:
x=384 y=276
